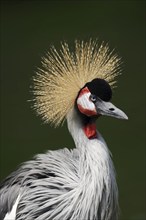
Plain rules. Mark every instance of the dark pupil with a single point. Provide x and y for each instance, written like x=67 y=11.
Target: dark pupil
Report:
x=93 y=98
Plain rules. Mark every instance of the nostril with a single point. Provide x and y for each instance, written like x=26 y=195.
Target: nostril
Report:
x=111 y=109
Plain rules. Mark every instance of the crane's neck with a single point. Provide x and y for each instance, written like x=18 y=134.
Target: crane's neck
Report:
x=96 y=169
x=82 y=128
x=88 y=141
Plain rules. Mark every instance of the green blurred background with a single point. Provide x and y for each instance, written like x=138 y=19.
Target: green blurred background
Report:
x=27 y=30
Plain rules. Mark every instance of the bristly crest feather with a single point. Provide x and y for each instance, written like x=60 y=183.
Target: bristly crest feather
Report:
x=64 y=73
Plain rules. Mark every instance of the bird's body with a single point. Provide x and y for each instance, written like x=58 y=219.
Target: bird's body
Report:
x=69 y=194
x=77 y=184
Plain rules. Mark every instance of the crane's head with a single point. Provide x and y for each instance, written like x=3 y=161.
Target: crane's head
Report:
x=94 y=100
x=82 y=77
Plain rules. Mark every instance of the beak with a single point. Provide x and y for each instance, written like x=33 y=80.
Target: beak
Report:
x=107 y=108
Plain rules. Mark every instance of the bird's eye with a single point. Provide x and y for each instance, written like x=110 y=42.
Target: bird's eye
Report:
x=93 y=98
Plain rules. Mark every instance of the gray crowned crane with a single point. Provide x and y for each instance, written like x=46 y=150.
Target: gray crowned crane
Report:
x=77 y=184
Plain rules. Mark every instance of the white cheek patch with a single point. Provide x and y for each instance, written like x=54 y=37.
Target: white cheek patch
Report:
x=85 y=105
x=85 y=102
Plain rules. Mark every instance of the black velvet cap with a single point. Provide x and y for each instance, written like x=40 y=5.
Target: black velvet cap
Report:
x=100 y=88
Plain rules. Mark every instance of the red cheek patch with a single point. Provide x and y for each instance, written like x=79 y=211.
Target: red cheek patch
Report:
x=86 y=111
x=83 y=91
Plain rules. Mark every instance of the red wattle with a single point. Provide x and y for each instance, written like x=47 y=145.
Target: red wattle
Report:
x=90 y=131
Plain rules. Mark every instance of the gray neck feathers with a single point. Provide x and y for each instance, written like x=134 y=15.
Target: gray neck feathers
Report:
x=96 y=171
